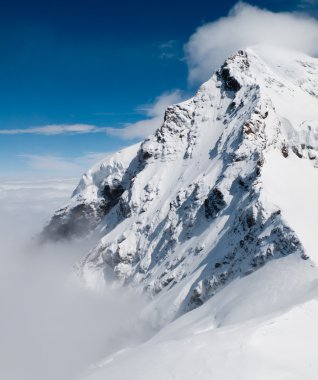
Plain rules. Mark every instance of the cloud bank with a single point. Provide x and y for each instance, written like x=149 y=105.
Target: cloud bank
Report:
x=154 y=113
x=56 y=129
x=50 y=326
x=247 y=25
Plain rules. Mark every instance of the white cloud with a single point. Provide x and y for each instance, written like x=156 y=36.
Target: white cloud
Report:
x=154 y=113
x=244 y=26
x=53 y=166
x=48 y=162
x=56 y=129
x=50 y=326
x=154 y=117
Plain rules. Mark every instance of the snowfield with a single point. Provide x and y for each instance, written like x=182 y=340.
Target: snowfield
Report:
x=295 y=192
x=214 y=218
x=260 y=327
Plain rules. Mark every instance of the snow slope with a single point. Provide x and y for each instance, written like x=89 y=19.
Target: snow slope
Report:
x=260 y=327
x=215 y=193
x=217 y=209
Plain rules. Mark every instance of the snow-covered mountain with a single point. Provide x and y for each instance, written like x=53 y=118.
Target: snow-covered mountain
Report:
x=226 y=185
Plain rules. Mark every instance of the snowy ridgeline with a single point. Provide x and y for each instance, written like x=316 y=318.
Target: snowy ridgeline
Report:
x=225 y=186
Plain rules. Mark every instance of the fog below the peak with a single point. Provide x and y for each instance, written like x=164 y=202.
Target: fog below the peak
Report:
x=51 y=327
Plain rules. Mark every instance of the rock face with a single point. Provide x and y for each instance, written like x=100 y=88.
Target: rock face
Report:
x=187 y=211
x=98 y=191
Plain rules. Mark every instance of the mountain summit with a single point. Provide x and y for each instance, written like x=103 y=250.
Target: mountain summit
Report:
x=227 y=184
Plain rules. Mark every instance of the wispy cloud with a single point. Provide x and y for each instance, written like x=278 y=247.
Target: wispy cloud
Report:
x=115 y=113
x=56 y=129
x=57 y=166
x=244 y=26
x=308 y=3
x=154 y=113
x=169 y=49
x=154 y=117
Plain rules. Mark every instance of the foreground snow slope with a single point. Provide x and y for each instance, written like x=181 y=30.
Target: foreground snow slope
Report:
x=226 y=185
x=260 y=327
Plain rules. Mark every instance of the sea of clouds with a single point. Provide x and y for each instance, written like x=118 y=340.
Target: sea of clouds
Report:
x=51 y=327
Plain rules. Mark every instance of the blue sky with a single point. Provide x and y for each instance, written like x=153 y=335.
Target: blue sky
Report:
x=93 y=64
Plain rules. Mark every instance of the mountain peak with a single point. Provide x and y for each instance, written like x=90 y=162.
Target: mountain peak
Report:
x=193 y=207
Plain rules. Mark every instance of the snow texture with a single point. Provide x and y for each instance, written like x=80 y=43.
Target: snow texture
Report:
x=226 y=185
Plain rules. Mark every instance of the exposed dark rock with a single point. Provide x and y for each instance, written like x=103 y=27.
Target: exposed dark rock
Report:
x=297 y=152
x=76 y=222
x=124 y=208
x=230 y=83
x=214 y=203
x=248 y=128
x=285 y=152
x=195 y=300
x=111 y=196
x=248 y=219
x=146 y=155
x=230 y=109
x=81 y=219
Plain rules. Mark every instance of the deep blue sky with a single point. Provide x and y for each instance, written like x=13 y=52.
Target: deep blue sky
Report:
x=94 y=62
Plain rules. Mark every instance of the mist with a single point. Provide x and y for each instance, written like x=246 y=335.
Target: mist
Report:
x=247 y=25
x=51 y=327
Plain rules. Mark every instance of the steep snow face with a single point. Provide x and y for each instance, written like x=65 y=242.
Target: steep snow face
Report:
x=211 y=196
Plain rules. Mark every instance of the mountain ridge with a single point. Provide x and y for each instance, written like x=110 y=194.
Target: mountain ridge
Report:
x=190 y=209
